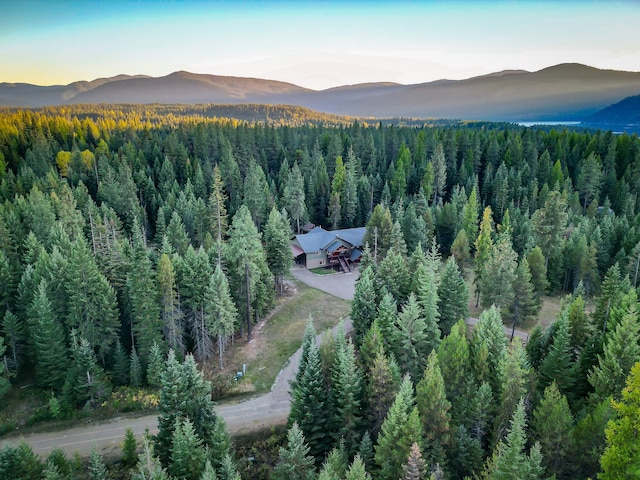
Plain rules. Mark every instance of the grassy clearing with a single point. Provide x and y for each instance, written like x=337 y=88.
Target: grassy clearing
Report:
x=275 y=340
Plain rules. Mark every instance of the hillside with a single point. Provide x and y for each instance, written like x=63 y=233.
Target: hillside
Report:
x=563 y=92
x=625 y=112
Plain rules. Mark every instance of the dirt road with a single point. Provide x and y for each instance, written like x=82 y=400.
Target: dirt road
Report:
x=261 y=411
x=265 y=410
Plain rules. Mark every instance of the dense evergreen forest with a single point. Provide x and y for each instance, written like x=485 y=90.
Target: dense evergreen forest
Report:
x=136 y=241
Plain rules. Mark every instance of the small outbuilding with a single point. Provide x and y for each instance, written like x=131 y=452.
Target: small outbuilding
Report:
x=322 y=248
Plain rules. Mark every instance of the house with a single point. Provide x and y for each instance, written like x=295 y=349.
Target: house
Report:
x=321 y=248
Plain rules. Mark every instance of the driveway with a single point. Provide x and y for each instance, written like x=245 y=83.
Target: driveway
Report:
x=341 y=285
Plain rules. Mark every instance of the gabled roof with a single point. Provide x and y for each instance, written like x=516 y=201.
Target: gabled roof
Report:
x=319 y=239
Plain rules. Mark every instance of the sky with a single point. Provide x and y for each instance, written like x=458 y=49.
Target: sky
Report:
x=318 y=45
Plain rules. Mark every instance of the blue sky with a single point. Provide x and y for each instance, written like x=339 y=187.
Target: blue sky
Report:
x=314 y=44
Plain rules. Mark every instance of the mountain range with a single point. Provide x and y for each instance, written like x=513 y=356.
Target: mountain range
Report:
x=566 y=92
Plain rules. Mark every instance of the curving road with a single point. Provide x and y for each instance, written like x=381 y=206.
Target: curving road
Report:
x=262 y=411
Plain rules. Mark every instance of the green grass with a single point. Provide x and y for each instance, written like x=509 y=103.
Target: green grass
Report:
x=281 y=336
x=322 y=271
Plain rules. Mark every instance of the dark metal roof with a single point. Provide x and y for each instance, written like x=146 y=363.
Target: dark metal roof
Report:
x=319 y=239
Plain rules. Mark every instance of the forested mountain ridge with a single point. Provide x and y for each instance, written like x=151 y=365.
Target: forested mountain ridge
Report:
x=124 y=236
x=625 y=112
x=568 y=92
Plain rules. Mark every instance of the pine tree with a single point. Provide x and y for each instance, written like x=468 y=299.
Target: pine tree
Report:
x=220 y=444
x=129 y=449
x=14 y=337
x=415 y=468
x=579 y=324
x=309 y=405
x=247 y=266
x=277 y=236
x=524 y=304
x=465 y=457
x=488 y=348
x=453 y=297
x=177 y=235
x=149 y=467
x=510 y=461
x=221 y=313
x=499 y=274
x=621 y=458
x=439 y=172
x=453 y=358
x=155 y=367
x=19 y=462
x=387 y=315
x=400 y=429
x=515 y=373
x=365 y=451
x=120 y=371
x=363 y=306
x=294 y=462
x=433 y=406
x=228 y=469
x=97 y=469
x=196 y=274
x=336 y=464
x=557 y=365
x=209 y=473
x=378 y=233
x=218 y=211
x=549 y=225
x=86 y=378
x=357 y=470
x=294 y=196
x=392 y=275
x=412 y=341
x=588 y=440
x=308 y=339
x=538 y=271
x=188 y=455
x=552 y=425
x=590 y=177
x=621 y=352
x=135 y=369
x=4 y=381
x=142 y=291
x=52 y=472
x=256 y=197
x=184 y=394
x=371 y=345
x=427 y=297
x=170 y=311
x=484 y=245
x=382 y=387
x=461 y=250
x=347 y=388
x=614 y=286
x=52 y=358
x=91 y=301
